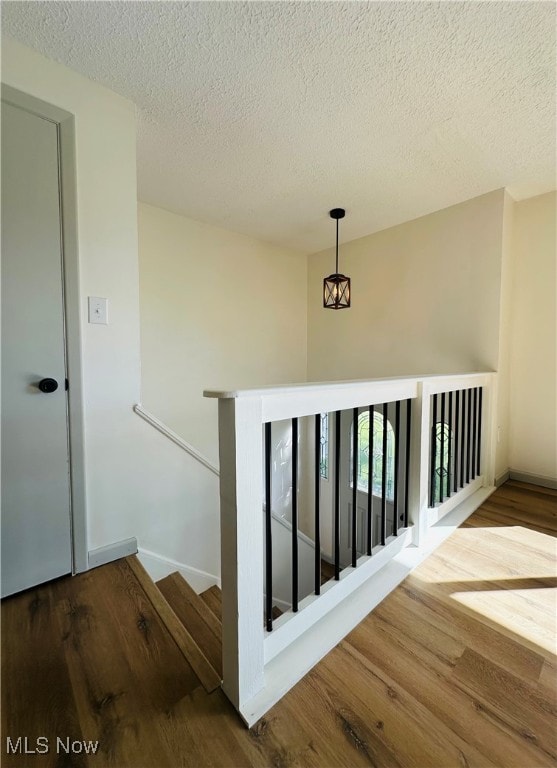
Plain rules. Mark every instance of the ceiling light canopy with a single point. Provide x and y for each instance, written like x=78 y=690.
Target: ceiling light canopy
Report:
x=336 y=287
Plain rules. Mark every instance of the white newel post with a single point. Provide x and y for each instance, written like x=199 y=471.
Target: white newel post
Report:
x=241 y=488
x=489 y=434
x=419 y=466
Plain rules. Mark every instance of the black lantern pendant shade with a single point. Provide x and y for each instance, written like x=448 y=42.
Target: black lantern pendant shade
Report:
x=336 y=287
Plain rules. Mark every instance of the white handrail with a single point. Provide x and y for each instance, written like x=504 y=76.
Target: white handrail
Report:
x=288 y=525
x=167 y=432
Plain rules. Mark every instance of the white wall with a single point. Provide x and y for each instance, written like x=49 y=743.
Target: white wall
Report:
x=107 y=242
x=425 y=297
x=533 y=393
x=281 y=536
x=218 y=309
x=137 y=482
x=503 y=366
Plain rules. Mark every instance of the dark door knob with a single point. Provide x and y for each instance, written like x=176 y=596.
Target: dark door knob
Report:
x=48 y=385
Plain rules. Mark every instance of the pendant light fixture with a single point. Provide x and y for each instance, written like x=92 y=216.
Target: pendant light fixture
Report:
x=336 y=287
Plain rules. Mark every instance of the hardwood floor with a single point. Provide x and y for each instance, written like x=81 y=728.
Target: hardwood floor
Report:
x=456 y=667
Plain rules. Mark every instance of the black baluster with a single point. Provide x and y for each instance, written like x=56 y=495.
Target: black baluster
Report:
x=474 y=430
x=317 y=524
x=384 y=478
x=449 y=447
x=370 y=483
x=462 y=439
x=268 y=532
x=456 y=437
x=294 y=515
x=442 y=451
x=433 y=452
x=354 y=486
x=397 y=454
x=480 y=414
x=468 y=434
x=407 y=470
x=337 y=496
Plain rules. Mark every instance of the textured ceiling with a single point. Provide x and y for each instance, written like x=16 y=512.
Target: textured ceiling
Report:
x=261 y=116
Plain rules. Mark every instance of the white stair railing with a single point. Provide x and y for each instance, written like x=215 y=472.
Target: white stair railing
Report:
x=259 y=666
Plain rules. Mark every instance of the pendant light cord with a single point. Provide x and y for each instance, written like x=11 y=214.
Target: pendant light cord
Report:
x=336 y=270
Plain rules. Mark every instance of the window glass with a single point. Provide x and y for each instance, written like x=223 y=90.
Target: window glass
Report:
x=324 y=455
x=377 y=455
x=441 y=430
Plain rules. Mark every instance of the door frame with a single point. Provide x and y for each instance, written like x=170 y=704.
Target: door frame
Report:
x=65 y=123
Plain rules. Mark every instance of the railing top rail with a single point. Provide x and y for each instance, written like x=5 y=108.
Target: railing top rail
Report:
x=322 y=386
x=175 y=438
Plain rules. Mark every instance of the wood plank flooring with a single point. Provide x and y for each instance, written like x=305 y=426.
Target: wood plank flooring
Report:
x=455 y=668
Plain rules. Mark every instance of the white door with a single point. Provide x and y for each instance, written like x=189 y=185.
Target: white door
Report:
x=36 y=527
x=346 y=481
x=346 y=497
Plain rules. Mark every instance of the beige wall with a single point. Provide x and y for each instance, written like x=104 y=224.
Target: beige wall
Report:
x=428 y=296
x=107 y=252
x=221 y=309
x=425 y=297
x=218 y=310
x=533 y=392
x=502 y=435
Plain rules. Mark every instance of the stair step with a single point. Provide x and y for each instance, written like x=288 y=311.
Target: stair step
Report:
x=327 y=571
x=204 y=670
x=212 y=597
x=196 y=616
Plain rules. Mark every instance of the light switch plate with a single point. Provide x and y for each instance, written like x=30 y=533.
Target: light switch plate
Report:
x=98 y=310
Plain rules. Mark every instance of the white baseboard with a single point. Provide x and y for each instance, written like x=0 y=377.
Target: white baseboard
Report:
x=282 y=604
x=502 y=478
x=527 y=477
x=110 y=552
x=158 y=567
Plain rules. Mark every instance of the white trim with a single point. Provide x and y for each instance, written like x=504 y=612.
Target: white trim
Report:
x=241 y=526
x=444 y=382
x=111 y=552
x=288 y=525
x=435 y=385
x=301 y=402
x=502 y=478
x=289 y=666
x=489 y=430
x=282 y=604
x=419 y=470
x=171 y=435
x=527 y=477
x=158 y=566
x=434 y=514
x=289 y=627
x=65 y=123
x=241 y=415
x=72 y=308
